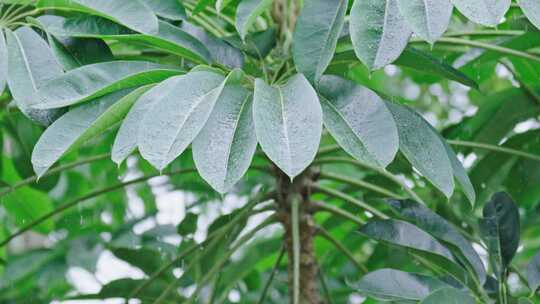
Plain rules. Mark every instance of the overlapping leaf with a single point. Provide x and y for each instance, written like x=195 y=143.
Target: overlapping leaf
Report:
x=169 y=9
x=247 y=12
x=429 y=19
x=485 y=12
x=3 y=62
x=359 y=121
x=448 y=296
x=95 y=80
x=531 y=9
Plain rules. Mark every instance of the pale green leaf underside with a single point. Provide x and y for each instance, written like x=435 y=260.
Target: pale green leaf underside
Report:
x=448 y=296
x=31 y=64
x=531 y=9
x=224 y=148
x=182 y=107
x=316 y=34
x=359 y=121
x=379 y=33
x=80 y=124
x=484 y=12
x=429 y=19
x=169 y=9
x=288 y=123
x=247 y=12
x=131 y=13
x=95 y=80
x=3 y=62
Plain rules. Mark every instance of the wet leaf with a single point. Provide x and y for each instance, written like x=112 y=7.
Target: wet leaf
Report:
x=484 y=12
x=428 y=19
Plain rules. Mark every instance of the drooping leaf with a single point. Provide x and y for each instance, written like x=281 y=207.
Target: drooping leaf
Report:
x=3 y=62
x=183 y=105
x=288 y=123
x=95 y=80
x=423 y=148
x=460 y=174
x=395 y=285
x=378 y=32
x=484 y=12
x=225 y=146
x=31 y=64
x=359 y=121
x=247 y=12
x=131 y=13
x=533 y=273
x=315 y=36
x=500 y=230
x=429 y=19
x=169 y=9
x=80 y=124
x=188 y=225
x=168 y=38
x=437 y=226
x=448 y=296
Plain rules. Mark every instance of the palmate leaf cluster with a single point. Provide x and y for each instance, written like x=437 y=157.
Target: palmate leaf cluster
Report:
x=224 y=95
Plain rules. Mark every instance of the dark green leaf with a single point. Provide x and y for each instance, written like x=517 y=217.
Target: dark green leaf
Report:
x=500 y=229
x=169 y=9
x=315 y=36
x=437 y=226
x=188 y=225
x=288 y=123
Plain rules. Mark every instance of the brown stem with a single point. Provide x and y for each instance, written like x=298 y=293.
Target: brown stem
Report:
x=299 y=189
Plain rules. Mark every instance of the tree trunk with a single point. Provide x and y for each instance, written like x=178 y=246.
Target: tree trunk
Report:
x=309 y=291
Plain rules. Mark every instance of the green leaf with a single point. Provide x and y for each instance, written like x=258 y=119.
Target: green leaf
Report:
x=378 y=32
x=531 y=9
x=423 y=147
x=25 y=204
x=3 y=62
x=247 y=12
x=484 y=12
x=426 y=63
x=177 y=116
x=31 y=64
x=219 y=50
x=168 y=38
x=500 y=230
x=288 y=123
x=395 y=285
x=79 y=125
x=448 y=296
x=169 y=9
x=188 y=225
x=428 y=19
x=95 y=80
x=533 y=273
x=131 y=13
x=437 y=226
x=257 y=45
x=316 y=34
x=148 y=260
x=224 y=148
x=525 y=301
x=359 y=121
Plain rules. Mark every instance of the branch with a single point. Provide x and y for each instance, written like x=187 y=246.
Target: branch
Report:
x=295 y=228
x=339 y=212
x=272 y=275
x=360 y=183
x=350 y=199
x=494 y=148
x=326 y=235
